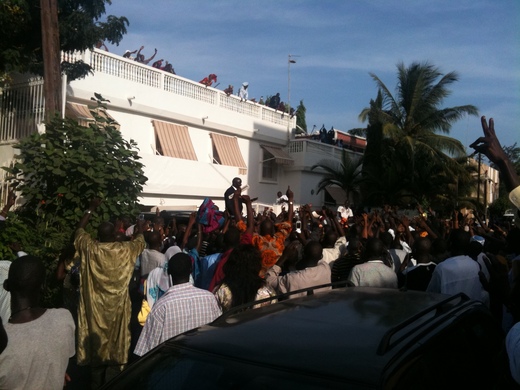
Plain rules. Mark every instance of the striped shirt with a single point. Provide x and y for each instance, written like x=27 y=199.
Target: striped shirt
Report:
x=183 y=307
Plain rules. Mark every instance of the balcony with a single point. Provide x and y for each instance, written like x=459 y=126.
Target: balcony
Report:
x=307 y=152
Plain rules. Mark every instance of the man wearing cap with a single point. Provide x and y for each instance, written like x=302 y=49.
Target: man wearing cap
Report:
x=128 y=54
x=242 y=93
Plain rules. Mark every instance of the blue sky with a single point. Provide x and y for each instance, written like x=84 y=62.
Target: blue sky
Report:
x=339 y=43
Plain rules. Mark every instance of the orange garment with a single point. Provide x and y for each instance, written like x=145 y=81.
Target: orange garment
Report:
x=207 y=81
x=272 y=247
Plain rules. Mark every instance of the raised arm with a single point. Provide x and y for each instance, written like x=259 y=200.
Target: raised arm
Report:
x=455 y=219
x=305 y=212
x=290 y=196
x=364 y=233
x=421 y=221
x=337 y=226
x=94 y=204
x=151 y=58
x=406 y=223
x=189 y=228
x=250 y=216
x=490 y=146
x=236 y=207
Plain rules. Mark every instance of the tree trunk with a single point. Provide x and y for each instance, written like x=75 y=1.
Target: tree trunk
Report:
x=51 y=57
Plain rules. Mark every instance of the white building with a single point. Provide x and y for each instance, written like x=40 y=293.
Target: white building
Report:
x=193 y=139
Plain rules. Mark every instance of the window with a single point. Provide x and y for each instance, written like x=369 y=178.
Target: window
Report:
x=269 y=166
x=227 y=152
x=82 y=113
x=173 y=140
x=176 y=368
x=280 y=156
x=272 y=157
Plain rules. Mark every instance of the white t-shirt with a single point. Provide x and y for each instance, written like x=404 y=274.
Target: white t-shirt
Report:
x=345 y=212
x=282 y=199
x=38 y=352
x=5 y=296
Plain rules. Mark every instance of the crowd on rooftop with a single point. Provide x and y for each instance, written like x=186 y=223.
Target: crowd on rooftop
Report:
x=142 y=282
x=273 y=101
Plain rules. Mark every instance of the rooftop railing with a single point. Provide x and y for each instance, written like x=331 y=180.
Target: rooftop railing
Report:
x=127 y=69
x=22 y=104
x=306 y=145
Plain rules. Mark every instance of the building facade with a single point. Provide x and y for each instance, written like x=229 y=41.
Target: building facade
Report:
x=193 y=139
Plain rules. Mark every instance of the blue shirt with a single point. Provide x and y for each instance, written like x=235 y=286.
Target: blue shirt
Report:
x=206 y=269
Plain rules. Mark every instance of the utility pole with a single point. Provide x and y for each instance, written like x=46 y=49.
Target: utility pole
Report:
x=51 y=57
x=478 y=178
x=290 y=60
x=485 y=195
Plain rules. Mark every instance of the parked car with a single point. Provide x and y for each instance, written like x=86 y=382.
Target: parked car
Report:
x=181 y=216
x=356 y=338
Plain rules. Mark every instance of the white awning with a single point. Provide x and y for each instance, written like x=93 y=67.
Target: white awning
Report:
x=280 y=156
x=174 y=140
x=228 y=150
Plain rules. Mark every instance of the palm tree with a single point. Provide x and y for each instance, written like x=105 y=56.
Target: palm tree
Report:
x=345 y=174
x=403 y=131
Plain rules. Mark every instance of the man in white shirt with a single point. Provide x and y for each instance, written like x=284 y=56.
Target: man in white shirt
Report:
x=374 y=272
x=459 y=273
x=344 y=211
x=242 y=93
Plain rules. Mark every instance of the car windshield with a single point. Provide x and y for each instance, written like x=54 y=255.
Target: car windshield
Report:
x=177 y=368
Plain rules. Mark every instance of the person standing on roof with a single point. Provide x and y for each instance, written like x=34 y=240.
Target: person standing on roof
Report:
x=242 y=93
x=274 y=102
x=140 y=57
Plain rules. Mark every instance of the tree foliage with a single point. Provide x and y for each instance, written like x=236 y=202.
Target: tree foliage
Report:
x=59 y=171
x=406 y=159
x=345 y=174
x=301 y=123
x=81 y=27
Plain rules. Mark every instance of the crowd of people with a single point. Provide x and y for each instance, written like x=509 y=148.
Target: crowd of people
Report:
x=142 y=282
x=139 y=57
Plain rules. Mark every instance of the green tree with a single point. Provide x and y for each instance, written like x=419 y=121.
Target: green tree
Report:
x=301 y=123
x=80 y=24
x=59 y=171
x=345 y=174
x=403 y=140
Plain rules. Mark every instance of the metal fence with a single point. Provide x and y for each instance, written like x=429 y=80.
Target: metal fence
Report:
x=21 y=109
